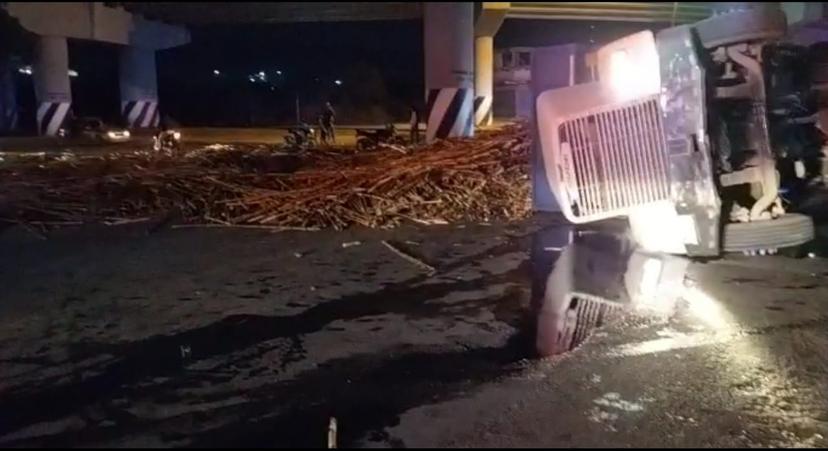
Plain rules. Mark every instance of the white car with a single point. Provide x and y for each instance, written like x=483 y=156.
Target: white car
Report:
x=94 y=129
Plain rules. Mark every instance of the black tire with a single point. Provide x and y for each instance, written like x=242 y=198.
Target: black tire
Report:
x=752 y=24
x=789 y=230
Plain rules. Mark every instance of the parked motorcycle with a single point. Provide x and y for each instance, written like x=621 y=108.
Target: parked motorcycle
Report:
x=301 y=137
x=369 y=139
x=167 y=141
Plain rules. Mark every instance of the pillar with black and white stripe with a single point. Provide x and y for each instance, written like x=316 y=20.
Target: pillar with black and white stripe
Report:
x=449 y=69
x=139 y=88
x=53 y=91
x=483 y=80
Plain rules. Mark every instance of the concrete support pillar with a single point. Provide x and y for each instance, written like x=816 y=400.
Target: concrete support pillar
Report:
x=139 y=87
x=483 y=80
x=448 y=30
x=53 y=92
x=8 y=99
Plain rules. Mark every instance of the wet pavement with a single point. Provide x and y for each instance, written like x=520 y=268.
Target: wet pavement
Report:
x=530 y=334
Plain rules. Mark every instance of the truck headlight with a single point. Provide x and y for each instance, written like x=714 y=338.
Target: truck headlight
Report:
x=622 y=72
x=177 y=135
x=630 y=66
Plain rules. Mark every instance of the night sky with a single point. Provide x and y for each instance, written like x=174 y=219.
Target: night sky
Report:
x=380 y=65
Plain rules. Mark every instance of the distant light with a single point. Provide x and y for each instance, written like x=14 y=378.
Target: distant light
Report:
x=260 y=75
x=278 y=72
x=252 y=80
x=73 y=73
x=338 y=82
x=25 y=70
x=216 y=72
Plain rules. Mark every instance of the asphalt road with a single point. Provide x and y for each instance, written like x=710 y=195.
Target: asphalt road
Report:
x=530 y=334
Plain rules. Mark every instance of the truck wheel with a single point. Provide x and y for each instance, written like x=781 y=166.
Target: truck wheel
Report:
x=755 y=23
x=790 y=230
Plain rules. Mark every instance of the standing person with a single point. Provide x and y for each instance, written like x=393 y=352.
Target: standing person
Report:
x=414 y=123
x=323 y=132
x=328 y=117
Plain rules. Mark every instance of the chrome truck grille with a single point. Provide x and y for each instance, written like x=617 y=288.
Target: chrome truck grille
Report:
x=591 y=313
x=613 y=158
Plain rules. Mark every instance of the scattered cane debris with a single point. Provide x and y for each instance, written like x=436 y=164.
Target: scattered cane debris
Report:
x=476 y=179
x=410 y=258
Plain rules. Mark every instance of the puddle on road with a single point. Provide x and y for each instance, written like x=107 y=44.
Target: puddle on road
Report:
x=583 y=280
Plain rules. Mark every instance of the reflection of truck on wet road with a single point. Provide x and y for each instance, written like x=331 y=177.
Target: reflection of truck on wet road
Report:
x=702 y=135
x=594 y=277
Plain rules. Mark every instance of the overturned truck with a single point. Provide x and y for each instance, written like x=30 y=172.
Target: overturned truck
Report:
x=702 y=135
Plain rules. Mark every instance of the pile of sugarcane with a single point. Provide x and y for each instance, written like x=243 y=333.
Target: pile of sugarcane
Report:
x=478 y=179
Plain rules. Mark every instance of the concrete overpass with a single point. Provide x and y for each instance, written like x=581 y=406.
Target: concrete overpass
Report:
x=55 y=22
x=195 y=13
x=459 y=40
x=459 y=74
x=281 y=12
